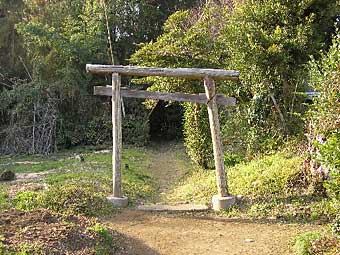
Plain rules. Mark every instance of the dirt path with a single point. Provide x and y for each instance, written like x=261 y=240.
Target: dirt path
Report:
x=168 y=234
x=196 y=233
x=167 y=166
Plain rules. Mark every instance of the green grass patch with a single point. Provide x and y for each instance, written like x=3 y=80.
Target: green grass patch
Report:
x=198 y=187
x=81 y=187
x=268 y=187
x=264 y=177
x=34 y=164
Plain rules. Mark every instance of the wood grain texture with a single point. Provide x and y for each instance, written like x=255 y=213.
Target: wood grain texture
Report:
x=190 y=73
x=116 y=135
x=180 y=97
x=210 y=90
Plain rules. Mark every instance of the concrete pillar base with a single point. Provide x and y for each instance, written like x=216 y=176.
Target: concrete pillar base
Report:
x=220 y=203
x=118 y=201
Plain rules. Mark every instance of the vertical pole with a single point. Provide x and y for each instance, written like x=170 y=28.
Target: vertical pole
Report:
x=116 y=135
x=210 y=91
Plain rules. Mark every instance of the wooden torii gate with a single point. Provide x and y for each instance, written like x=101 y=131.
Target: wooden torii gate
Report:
x=223 y=199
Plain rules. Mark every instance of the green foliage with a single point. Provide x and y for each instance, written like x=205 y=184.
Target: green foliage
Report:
x=330 y=156
x=11 y=48
x=303 y=245
x=197 y=135
x=5 y=203
x=66 y=199
x=269 y=42
x=75 y=199
x=324 y=78
x=264 y=177
x=48 y=44
x=232 y=159
x=103 y=232
x=27 y=200
x=335 y=227
x=136 y=128
x=324 y=115
x=187 y=35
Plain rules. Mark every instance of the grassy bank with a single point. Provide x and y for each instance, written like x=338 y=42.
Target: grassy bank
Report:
x=270 y=186
x=69 y=185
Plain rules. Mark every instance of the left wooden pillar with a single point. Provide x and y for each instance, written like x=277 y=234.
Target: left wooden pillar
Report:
x=117 y=198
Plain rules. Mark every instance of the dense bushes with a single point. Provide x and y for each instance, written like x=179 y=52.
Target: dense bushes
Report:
x=269 y=42
x=44 y=47
x=324 y=119
x=136 y=125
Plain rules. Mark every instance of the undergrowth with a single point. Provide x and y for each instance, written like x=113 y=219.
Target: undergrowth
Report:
x=81 y=187
x=269 y=187
x=317 y=243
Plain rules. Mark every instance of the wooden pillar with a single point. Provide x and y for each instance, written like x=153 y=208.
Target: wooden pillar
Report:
x=210 y=91
x=116 y=135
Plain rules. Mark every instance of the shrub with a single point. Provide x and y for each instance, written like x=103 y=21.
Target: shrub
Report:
x=75 y=199
x=324 y=118
x=4 y=201
x=303 y=243
x=103 y=232
x=197 y=135
x=136 y=130
x=335 y=227
x=269 y=42
x=27 y=200
x=6 y=175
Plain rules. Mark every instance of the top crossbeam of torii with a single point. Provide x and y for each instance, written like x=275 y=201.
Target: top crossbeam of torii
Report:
x=189 y=73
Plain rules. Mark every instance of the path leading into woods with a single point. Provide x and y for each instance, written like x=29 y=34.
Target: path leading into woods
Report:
x=197 y=233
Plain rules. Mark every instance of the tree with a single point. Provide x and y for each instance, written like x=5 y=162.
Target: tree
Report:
x=270 y=42
x=184 y=43
x=11 y=50
x=323 y=122
x=59 y=38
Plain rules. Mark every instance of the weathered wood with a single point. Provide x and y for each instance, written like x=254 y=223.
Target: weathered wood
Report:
x=191 y=73
x=181 y=97
x=116 y=135
x=210 y=90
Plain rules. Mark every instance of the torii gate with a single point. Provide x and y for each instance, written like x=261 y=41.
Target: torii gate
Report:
x=223 y=199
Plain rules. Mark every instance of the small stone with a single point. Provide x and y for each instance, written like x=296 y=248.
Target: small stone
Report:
x=7 y=175
x=80 y=158
x=239 y=197
x=249 y=240
x=272 y=218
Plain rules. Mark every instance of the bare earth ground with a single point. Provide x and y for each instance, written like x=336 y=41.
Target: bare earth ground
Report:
x=198 y=233
x=180 y=234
